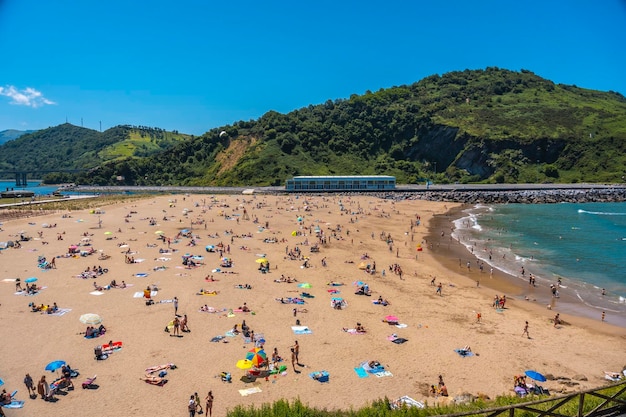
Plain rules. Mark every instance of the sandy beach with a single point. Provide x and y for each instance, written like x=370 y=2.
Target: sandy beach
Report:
x=350 y=232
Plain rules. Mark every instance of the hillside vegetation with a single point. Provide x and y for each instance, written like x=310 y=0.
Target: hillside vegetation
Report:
x=489 y=125
x=69 y=147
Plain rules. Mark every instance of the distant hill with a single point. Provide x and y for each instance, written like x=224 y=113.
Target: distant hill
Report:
x=10 y=134
x=492 y=125
x=67 y=146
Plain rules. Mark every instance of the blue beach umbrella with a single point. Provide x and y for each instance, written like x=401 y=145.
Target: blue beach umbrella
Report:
x=54 y=365
x=1 y=382
x=31 y=279
x=535 y=375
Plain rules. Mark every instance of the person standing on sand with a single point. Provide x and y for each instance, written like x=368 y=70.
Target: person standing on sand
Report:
x=176 y=306
x=557 y=320
x=191 y=406
x=176 y=323
x=293 y=360
x=296 y=351
x=28 y=381
x=439 y=287
x=209 y=403
x=525 y=332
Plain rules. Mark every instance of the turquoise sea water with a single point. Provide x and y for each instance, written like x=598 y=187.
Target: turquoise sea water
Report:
x=583 y=244
x=33 y=185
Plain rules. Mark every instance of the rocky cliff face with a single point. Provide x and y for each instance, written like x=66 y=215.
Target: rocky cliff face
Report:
x=447 y=146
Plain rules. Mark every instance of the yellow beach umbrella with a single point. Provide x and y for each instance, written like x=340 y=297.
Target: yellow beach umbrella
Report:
x=244 y=364
x=261 y=260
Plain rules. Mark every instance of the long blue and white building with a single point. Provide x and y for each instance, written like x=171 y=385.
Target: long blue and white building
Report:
x=341 y=183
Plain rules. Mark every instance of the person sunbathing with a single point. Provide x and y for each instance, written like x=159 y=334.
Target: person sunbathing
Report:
x=153 y=379
x=360 y=328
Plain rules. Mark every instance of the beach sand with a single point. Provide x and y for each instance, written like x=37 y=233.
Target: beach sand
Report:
x=435 y=325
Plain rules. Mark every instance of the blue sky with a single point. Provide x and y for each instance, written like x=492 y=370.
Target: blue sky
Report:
x=192 y=65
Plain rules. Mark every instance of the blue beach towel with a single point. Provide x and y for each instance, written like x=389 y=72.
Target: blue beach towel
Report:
x=361 y=372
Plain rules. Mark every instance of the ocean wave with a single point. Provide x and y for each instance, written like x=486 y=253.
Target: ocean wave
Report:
x=600 y=213
x=588 y=304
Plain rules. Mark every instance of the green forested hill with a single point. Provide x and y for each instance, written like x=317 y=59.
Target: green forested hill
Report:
x=72 y=147
x=488 y=125
x=10 y=134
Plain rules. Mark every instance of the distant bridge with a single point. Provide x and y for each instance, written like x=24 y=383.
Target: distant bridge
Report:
x=21 y=176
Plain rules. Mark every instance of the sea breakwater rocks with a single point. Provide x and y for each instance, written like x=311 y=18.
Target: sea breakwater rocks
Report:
x=526 y=196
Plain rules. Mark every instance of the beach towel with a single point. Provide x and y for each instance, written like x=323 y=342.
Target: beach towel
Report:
x=353 y=331
x=141 y=295
x=249 y=391
x=96 y=293
x=141 y=274
x=399 y=340
x=321 y=376
x=60 y=312
x=14 y=404
x=217 y=338
x=401 y=325
x=464 y=353
x=405 y=400
x=362 y=373
x=301 y=330
x=333 y=291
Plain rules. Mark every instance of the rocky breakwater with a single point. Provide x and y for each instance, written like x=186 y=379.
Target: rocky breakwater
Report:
x=543 y=196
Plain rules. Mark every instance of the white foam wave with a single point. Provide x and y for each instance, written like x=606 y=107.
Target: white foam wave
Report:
x=594 y=306
x=600 y=213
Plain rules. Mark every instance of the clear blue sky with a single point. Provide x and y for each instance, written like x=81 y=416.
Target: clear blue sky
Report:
x=193 y=65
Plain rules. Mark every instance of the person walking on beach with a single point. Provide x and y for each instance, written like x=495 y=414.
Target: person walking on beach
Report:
x=525 y=332
x=176 y=306
x=196 y=401
x=557 y=320
x=209 y=403
x=439 y=287
x=603 y=315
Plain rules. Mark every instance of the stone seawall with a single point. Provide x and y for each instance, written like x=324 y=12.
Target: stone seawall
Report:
x=522 y=196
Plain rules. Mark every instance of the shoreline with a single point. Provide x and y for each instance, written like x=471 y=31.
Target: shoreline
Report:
x=453 y=255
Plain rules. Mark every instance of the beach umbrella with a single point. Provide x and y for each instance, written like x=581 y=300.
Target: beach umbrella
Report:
x=304 y=285
x=261 y=260
x=299 y=219
x=244 y=364
x=158 y=232
x=1 y=382
x=54 y=365
x=90 y=318
x=31 y=279
x=391 y=319
x=535 y=375
x=184 y=231
x=257 y=356
x=294 y=233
